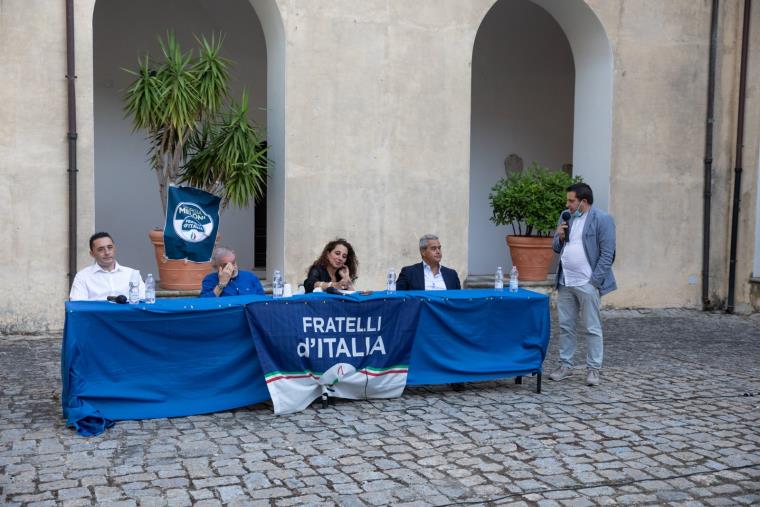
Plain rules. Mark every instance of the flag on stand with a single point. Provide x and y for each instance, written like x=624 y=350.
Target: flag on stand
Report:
x=192 y=220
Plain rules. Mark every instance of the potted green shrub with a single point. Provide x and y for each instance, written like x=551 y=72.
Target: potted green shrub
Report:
x=530 y=202
x=198 y=137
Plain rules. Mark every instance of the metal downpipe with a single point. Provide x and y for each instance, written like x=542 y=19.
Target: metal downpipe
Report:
x=72 y=138
x=738 y=169
x=708 y=160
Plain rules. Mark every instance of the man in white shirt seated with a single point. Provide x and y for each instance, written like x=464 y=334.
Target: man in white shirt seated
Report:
x=428 y=274
x=105 y=277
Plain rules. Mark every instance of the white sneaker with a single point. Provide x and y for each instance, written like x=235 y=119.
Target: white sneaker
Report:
x=592 y=377
x=561 y=373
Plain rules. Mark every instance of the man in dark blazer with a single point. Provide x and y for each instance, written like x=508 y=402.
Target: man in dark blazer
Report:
x=428 y=274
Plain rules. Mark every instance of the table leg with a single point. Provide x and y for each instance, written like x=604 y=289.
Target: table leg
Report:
x=538 y=383
x=518 y=379
x=325 y=399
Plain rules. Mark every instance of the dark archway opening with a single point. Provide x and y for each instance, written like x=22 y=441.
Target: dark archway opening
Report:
x=127 y=203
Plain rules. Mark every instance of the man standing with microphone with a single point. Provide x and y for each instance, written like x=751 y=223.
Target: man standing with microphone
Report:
x=585 y=240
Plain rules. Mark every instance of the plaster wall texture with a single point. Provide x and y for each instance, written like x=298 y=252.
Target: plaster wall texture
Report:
x=34 y=160
x=660 y=90
x=731 y=15
x=748 y=249
x=656 y=157
x=378 y=109
x=749 y=214
x=372 y=111
x=416 y=63
x=592 y=108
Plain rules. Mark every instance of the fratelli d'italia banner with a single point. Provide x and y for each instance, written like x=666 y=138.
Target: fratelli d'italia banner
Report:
x=192 y=219
x=348 y=349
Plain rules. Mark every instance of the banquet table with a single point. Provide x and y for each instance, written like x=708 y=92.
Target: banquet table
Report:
x=190 y=356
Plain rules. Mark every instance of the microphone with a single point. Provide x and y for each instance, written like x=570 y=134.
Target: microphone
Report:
x=120 y=299
x=565 y=219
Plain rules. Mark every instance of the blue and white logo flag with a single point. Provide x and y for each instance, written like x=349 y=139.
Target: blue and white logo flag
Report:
x=347 y=349
x=192 y=219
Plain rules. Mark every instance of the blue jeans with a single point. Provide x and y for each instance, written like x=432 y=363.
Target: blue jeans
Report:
x=578 y=312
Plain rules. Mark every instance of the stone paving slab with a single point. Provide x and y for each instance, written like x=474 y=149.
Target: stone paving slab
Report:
x=674 y=422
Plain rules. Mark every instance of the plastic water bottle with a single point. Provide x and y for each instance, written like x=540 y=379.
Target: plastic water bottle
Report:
x=390 y=284
x=134 y=288
x=277 y=285
x=150 y=289
x=498 y=280
x=513 y=279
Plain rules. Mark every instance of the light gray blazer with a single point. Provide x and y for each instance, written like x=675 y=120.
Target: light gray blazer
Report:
x=599 y=245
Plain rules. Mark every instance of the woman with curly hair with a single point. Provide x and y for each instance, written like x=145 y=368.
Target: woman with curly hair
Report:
x=336 y=267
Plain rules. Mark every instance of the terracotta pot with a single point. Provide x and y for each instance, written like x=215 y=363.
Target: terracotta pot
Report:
x=532 y=255
x=177 y=275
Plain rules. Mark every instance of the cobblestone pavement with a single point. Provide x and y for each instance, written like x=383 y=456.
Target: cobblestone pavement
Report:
x=672 y=423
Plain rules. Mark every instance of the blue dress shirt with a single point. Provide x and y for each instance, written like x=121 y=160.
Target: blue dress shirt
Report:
x=245 y=283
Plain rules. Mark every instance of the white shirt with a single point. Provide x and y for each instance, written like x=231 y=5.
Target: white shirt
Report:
x=575 y=267
x=94 y=283
x=433 y=282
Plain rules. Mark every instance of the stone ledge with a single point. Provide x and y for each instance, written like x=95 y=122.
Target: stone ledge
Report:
x=486 y=282
x=163 y=293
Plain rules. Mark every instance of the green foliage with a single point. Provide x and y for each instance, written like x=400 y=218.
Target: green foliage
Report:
x=194 y=138
x=211 y=70
x=228 y=150
x=530 y=201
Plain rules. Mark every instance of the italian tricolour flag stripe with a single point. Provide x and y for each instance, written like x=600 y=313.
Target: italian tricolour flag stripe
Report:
x=372 y=372
x=294 y=391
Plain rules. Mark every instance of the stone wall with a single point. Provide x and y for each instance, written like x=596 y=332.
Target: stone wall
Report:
x=34 y=159
x=371 y=117
x=660 y=100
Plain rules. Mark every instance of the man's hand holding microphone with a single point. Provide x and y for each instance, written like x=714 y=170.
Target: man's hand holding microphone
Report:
x=563 y=229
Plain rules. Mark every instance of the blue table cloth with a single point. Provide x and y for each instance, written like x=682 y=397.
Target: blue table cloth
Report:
x=190 y=356
x=173 y=358
x=472 y=335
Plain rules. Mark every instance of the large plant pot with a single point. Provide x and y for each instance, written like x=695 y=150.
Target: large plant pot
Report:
x=532 y=255
x=177 y=275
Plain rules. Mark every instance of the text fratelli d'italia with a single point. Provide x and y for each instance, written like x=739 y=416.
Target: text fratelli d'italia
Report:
x=337 y=346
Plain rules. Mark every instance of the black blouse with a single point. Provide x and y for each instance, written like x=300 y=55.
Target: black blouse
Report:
x=317 y=274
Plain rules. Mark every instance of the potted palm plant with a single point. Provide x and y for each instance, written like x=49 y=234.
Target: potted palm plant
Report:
x=197 y=136
x=530 y=202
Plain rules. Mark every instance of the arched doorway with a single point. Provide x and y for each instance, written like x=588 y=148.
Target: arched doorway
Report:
x=541 y=89
x=127 y=203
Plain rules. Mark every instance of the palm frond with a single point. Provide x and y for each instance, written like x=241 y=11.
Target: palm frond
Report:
x=231 y=158
x=193 y=138
x=143 y=99
x=211 y=73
